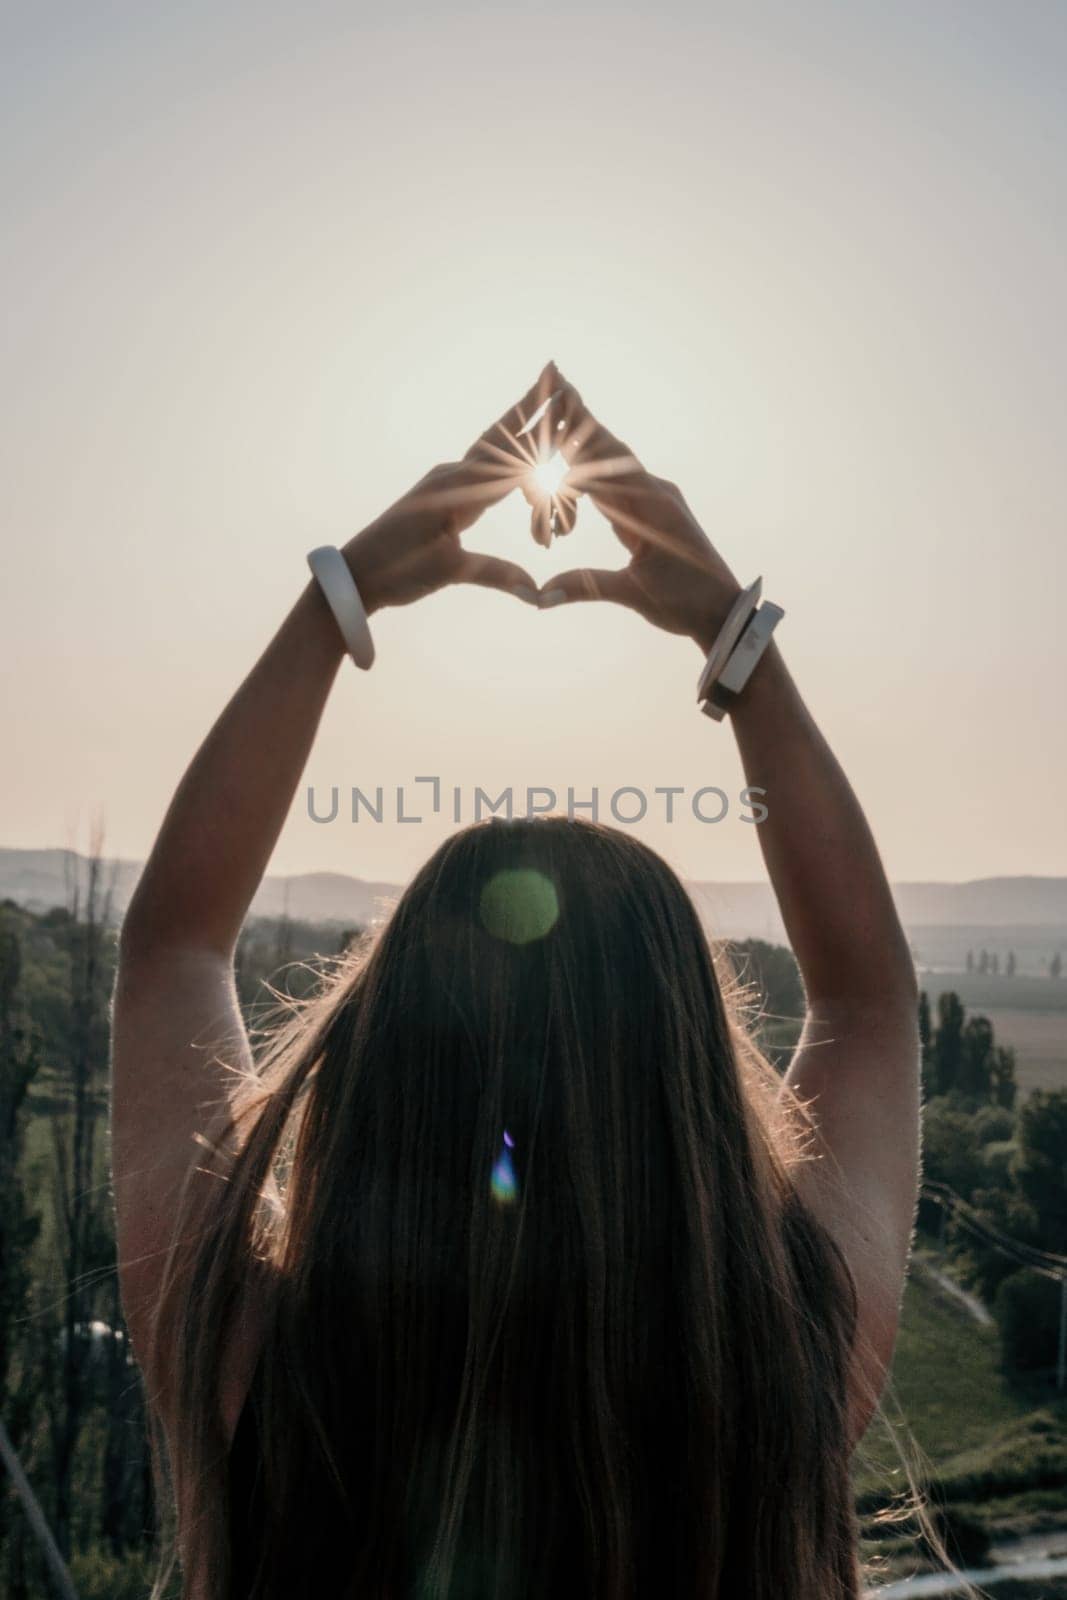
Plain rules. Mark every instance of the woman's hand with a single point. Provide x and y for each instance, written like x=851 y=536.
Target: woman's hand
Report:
x=414 y=548
x=675 y=577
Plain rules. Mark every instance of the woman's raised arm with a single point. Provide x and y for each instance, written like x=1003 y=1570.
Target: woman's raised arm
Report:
x=857 y=1064
x=177 y=1031
x=224 y=820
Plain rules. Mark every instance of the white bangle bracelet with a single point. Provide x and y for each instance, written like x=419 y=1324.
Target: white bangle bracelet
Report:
x=740 y=615
x=743 y=662
x=341 y=595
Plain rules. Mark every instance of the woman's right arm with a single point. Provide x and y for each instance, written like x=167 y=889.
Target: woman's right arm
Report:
x=857 y=1064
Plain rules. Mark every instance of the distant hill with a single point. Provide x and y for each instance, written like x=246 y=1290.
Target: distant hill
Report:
x=943 y=920
x=43 y=878
x=982 y=902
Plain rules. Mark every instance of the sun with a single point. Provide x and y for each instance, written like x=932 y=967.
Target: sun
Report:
x=549 y=475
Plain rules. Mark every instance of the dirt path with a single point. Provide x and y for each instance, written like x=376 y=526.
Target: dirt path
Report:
x=927 y=1266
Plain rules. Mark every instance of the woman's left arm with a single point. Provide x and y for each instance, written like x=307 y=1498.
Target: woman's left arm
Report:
x=177 y=1031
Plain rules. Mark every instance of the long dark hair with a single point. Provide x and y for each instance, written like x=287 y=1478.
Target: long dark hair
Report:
x=548 y=1316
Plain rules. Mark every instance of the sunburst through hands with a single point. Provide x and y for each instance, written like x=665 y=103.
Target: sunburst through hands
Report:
x=548 y=487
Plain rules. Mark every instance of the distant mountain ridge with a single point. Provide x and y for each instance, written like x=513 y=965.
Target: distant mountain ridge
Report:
x=40 y=879
x=43 y=878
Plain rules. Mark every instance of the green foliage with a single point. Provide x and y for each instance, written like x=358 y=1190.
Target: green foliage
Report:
x=1027 y=1309
x=1011 y=1168
x=1041 y=1164
x=19 y=1221
x=1002 y=1207
x=947 y=1044
x=99 y=1575
x=961 y=1057
x=965 y=1534
x=1051 y=1589
x=279 y=956
x=72 y=1404
x=952 y=1152
x=997 y=1157
x=993 y=1123
x=772 y=970
x=984 y=1450
x=1027 y=1453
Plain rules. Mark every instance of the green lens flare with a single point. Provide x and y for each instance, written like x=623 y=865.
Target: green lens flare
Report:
x=519 y=905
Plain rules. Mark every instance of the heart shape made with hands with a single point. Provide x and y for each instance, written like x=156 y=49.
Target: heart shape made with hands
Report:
x=568 y=453
x=558 y=441
x=553 y=447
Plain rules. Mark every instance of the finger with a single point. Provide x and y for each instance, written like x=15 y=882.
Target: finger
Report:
x=609 y=472
x=459 y=495
x=584 y=441
x=566 y=509
x=541 y=521
x=552 y=516
x=553 y=511
x=506 y=438
x=590 y=583
x=638 y=511
x=505 y=455
x=462 y=490
x=490 y=572
x=529 y=418
x=536 y=437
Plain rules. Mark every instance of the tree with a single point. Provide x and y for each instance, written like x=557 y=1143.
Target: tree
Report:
x=948 y=1043
x=970 y=961
x=1009 y=965
x=952 y=1153
x=986 y=1072
x=993 y=1124
x=1027 y=1309
x=65 y=1350
x=19 y=1223
x=926 y=1051
x=974 y=1077
x=1002 y=1208
x=772 y=970
x=1040 y=1168
x=1003 y=1082
x=963 y=1059
x=84 y=1238
x=1055 y=966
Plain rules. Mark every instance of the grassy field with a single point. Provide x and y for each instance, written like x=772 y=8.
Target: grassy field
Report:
x=992 y=1450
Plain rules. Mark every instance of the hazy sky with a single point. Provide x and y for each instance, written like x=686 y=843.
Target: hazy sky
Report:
x=264 y=265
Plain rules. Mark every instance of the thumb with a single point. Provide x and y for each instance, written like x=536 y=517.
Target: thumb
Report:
x=590 y=583
x=490 y=572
